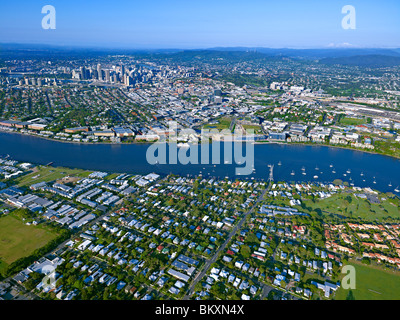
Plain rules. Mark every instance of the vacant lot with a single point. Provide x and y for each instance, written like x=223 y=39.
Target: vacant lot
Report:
x=373 y=283
x=18 y=240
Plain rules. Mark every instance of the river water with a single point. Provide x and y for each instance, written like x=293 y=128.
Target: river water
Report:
x=290 y=161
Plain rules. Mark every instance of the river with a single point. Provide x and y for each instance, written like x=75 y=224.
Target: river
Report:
x=356 y=167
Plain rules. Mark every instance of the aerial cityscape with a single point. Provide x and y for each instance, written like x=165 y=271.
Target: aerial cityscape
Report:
x=196 y=167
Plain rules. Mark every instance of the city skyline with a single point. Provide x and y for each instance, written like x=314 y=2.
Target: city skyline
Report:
x=177 y=24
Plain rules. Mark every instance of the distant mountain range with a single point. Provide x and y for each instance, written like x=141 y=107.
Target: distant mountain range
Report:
x=363 y=57
x=316 y=53
x=368 y=61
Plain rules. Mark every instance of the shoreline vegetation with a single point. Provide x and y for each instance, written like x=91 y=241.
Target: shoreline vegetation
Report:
x=316 y=144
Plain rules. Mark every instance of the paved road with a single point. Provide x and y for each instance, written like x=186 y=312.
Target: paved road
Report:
x=232 y=123
x=208 y=263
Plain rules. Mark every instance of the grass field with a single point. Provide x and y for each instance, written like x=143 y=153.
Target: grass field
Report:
x=337 y=204
x=373 y=283
x=18 y=240
x=352 y=121
x=50 y=174
x=223 y=123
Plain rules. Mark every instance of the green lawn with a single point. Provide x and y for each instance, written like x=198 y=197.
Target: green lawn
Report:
x=18 y=240
x=337 y=204
x=352 y=121
x=50 y=174
x=373 y=283
x=223 y=123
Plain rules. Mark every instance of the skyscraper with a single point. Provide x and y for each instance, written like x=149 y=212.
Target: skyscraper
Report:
x=83 y=73
x=99 y=72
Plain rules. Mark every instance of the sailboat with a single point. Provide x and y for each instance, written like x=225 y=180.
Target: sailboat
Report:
x=390 y=184
x=348 y=171
x=279 y=163
x=331 y=166
x=397 y=189
x=362 y=173
x=316 y=168
x=292 y=173
x=374 y=181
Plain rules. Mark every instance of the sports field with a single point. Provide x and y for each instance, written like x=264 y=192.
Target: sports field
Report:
x=373 y=283
x=46 y=174
x=357 y=207
x=19 y=240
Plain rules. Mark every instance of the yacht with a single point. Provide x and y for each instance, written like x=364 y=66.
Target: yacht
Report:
x=333 y=171
x=315 y=177
x=348 y=171
x=183 y=145
x=331 y=166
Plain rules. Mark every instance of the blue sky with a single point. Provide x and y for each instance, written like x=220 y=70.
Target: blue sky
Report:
x=202 y=23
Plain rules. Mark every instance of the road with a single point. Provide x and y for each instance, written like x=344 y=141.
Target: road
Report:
x=209 y=262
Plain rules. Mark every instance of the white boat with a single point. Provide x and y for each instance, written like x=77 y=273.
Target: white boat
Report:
x=345 y=175
x=279 y=163
x=362 y=173
x=374 y=181
x=390 y=184
x=397 y=189
x=183 y=145
x=331 y=166
x=315 y=177
x=333 y=171
x=348 y=171
x=304 y=169
x=304 y=173
x=292 y=173
x=316 y=168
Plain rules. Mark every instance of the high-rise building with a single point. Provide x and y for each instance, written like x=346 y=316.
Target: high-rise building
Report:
x=83 y=73
x=99 y=72
x=107 y=72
